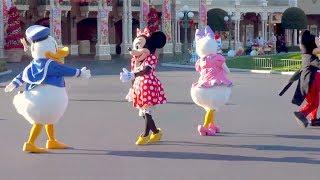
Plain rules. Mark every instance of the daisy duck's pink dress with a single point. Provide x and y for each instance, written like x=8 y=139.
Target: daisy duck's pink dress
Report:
x=213 y=88
x=211 y=72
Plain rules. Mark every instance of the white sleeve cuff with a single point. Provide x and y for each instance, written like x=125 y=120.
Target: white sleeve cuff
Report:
x=78 y=72
x=17 y=81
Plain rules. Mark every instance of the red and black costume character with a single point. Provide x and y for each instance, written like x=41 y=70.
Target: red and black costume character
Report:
x=308 y=87
x=147 y=90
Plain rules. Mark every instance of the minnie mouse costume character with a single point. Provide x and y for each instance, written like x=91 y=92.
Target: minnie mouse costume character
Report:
x=146 y=90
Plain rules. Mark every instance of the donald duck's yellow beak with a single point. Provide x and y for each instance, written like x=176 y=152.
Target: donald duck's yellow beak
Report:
x=59 y=55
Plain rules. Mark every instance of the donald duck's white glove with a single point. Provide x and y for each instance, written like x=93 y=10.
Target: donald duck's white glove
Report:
x=85 y=73
x=126 y=76
x=10 y=87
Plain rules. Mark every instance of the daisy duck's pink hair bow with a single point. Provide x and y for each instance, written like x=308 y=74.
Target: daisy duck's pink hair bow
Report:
x=145 y=32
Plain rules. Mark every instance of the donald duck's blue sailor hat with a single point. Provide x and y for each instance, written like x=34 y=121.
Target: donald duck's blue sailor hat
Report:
x=37 y=33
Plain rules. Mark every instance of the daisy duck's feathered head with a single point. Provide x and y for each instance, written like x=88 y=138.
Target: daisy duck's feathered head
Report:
x=205 y=42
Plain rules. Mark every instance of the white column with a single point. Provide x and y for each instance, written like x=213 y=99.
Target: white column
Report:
x=129 y=22
x=144 y=10
x=103 y=46
x=295 y=36
x=237 y=17
x=166 y=25
x=1 y=31
x=293 y=3
x=264 y=21
x=55 y=21
x=125 y=41
x=202 y=13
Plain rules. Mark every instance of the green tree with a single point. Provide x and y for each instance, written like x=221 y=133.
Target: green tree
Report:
x=294 y=18
x=216 y=19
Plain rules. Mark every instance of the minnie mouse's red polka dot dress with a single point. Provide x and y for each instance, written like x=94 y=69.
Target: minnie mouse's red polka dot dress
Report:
x=147 y=90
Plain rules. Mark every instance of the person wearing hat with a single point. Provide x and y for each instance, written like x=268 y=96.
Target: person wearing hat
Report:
x=45 y=99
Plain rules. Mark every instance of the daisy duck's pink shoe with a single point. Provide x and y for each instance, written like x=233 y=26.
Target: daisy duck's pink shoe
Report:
x=203 y=131
x=216 y=128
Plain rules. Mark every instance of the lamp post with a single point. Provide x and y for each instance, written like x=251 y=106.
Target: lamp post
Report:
x=185 y=16
x=228 y=20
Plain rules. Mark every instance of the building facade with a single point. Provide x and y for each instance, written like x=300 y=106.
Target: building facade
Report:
x=106 y=27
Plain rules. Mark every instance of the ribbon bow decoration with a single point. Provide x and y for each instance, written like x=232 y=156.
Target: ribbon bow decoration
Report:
x=145 y=32
x=201 y=33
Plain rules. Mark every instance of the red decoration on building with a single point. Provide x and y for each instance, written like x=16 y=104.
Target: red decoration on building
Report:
x=153 y=20
x=14 y=31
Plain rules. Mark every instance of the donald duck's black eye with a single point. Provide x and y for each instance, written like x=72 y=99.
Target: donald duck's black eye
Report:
x=137 y=47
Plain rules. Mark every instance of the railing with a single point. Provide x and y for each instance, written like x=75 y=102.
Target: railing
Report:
x=20 y=2
x=263 y=63
x=47 y=2
x=277 y=65
x=290 y=64
x=133 y=2
x=93 y=2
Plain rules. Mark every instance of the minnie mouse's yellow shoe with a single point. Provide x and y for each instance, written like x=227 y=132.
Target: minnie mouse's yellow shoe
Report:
x=156 y=137
x=143 y=140
x=54 y=144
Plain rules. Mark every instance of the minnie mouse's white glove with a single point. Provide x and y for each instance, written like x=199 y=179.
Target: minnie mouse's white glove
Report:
x=85 y=73
x=126 y=76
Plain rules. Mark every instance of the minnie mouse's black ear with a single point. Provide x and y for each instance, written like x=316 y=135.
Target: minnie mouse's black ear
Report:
x=158 y=40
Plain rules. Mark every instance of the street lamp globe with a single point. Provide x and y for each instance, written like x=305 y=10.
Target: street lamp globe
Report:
x=180 y=15
x=185 y=8
x=190 y=14
x=226 y=18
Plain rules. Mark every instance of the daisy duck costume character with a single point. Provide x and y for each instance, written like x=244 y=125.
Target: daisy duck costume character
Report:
x=146 y=91
x=213 y=88
x=45 y=99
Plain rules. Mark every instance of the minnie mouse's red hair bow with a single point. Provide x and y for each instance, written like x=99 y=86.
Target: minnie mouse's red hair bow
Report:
x=145 y=32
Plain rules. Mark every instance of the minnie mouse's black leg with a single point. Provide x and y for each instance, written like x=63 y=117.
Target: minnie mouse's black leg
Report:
x=147 y=127
x=150 y=124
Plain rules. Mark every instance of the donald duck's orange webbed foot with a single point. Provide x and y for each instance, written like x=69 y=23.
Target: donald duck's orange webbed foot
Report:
x=55 y=144
x=32 y=148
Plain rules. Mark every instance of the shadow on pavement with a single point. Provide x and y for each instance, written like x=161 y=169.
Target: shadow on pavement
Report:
x=206 y=156
x=255 y=147
x=124 y=101
x=310 y=137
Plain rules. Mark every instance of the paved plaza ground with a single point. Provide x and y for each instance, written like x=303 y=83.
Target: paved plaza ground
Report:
x=260 y=138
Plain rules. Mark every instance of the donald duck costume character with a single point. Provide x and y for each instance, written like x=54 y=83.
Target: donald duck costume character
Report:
x=45 y=99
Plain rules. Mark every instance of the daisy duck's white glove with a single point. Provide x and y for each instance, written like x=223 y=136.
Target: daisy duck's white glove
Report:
x=85 y=73
x=10 y=87
x=126 y=76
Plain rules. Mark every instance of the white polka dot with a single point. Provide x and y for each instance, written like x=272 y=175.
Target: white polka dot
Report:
x=149 y=97
x=145 y=81
x=155 y=100
x=161 y=92
x=153 y=94
x=153 y=57
x=160 y=98
x=151 y=87
x=145 y=93
x=145 y=87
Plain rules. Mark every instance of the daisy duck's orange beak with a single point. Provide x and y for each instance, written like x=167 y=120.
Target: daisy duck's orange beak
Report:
x=59 y=55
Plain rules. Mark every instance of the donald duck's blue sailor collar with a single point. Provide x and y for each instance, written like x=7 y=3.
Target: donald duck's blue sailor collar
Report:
x=36 y=71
